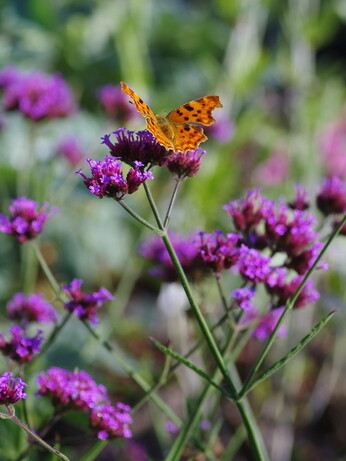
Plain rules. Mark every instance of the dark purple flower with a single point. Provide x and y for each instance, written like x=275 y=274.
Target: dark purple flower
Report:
x=30 y=308
x=74 y=389
x=116 y=104
x=281 y=288
x=39 y=96
x=184 y=165
x=219 y=251
x=70 y=148
x=243 y=297
x=85 y=305
x=331 y=198
x=20 y=347
x=300 y=201
x=111 y=421
x=11 y=389
x=252 y=265
x=107 y=178
x=26 y=220
x=141 y=146
x=154 y=250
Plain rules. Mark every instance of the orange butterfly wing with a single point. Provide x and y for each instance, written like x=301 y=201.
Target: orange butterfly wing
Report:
x=141 y=106
x=197 y=111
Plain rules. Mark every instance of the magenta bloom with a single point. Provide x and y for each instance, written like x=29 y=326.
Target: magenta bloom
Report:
x=74 y=389
x=267 y=323
x=223 y=130
x=300 y=201
x=85 y=305
x=252 y=265
x=136 y=146
x=184 y=165
x=107 y=178
x=11 y=389
x=116 y=104
x=26 y=220
x=111 y=421
x=8 y=76
x=154 y=250
x=243 y=297
x=70 y=148
x=219 y=251
x=273 y=171
x=19 y=347
x=331 y=198
x=38 y=96
x=30 y=308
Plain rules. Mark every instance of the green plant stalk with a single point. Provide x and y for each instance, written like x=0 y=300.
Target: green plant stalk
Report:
x=171 y=204
x=289 y=305
x=139 y=218
x=153 y=207
x=47 y=272
x=11 y=415
x=142 y=383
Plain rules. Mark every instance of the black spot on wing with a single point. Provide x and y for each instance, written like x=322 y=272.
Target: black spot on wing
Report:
x=188 y=107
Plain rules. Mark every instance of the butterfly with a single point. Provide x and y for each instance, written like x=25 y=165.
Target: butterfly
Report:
x=180 y=130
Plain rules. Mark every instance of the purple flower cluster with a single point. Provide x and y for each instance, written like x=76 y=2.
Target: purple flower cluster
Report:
x=141 y=146
x=331 y=198
x=26 y=219
x=30 y=308
x=85 y=305
x=70 y=149
x=116 y=104
x=36 y=95
x=218 y=251
x=154 y=251
x=19 y=347
x=11 y=389
x=184 y=165
x=107 y=178
x=79 y=391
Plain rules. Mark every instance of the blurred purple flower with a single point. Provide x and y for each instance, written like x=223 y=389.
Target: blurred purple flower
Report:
x=73 y=389
x=85 y=305
x=333 y=146
x=107 y=178
x=171 y=428
x=273 y=171
x=69 y=147
x=218 y=251
x=11 y=389
x=26 y=220
x=39 y=96
x=140 y=146
x=223 y=130
x=111 y=421
x=30 y=308
x=8 y=76
x=116 y=104
x=243 y=297
x=331 y=198
x=19 y=347
x=154 y=250
x=183 y=165
x=266 y=325
x=300 y=201
x=252 y=265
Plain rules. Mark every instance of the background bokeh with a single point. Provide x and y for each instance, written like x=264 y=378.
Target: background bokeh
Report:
x=279 y=69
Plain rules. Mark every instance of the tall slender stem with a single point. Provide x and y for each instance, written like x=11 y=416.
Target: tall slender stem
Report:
x=171 y=203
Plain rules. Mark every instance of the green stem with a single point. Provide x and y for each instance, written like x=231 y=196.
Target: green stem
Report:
x=139 y=218
x=171 y=203
x=153 y=206
x=142 y=383
x=45 y=268
x=289 y=305
x=11 y=415
x=54 y=334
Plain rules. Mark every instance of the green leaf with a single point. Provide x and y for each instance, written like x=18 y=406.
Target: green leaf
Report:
x=280 y=363
x=188 y=364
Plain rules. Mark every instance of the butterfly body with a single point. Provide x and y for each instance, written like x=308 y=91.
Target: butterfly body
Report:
x=181 y=129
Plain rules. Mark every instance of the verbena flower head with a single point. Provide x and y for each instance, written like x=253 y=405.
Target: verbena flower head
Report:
x=73 y=389
x=267 y=323
x=26 y=219
x=331 y=198
x=30 y=308
x=70 y=149
x=243 y=297
x=8 y=76
x=140 y=146
x=116 y=104
x=11 y=389
x=252 y=265
x=107 y=178
x=218 y=251
x=183 y=165
x=85 y=305
x=300 y=201
x=39 y=96
x=20 y=347
x=154 y=250
x=111 y=421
